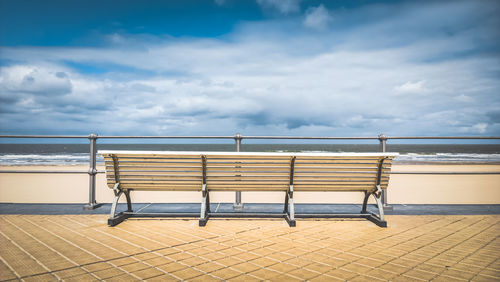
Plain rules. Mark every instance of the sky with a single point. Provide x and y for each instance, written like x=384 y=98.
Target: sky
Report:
x=258 y=67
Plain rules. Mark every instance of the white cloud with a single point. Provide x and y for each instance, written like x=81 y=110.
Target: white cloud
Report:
x=278 y=80
x=464 y=98
x=317 y=18
x=411 y=87
x=35 y=79
x=480 y=127
x=282 y=6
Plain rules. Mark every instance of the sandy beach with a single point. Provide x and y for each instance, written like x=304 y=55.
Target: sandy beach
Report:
x=403 y=188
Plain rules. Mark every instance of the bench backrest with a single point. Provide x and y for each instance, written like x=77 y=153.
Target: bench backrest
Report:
x=221 y=171
x=350 y=173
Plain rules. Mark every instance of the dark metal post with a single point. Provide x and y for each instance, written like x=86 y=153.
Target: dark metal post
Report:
x=92 y=204
x=238 y=205
x=383 y=148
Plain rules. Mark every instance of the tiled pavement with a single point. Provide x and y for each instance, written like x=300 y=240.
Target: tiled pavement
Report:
x=416 y=247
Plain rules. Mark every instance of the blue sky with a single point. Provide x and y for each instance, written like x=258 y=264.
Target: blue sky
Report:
x=261 y=67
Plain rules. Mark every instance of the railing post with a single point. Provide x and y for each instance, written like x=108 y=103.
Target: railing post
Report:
x=383 y=148
x=92 y=204
x=238 y=205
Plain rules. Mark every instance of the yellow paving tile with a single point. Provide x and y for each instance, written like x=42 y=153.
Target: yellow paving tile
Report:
x=420 y=274
x=488 y=272
x=341 y=273
x=264 y=274
x=245 y=267
x=209 y=267
x=164 y=277
x=244 y=278
x=482 y=278
x=285 y=277
x=404 y=278
x=264 y=262
x=319 y=267
x=134 y=267
x=228 y=261
x=124 y=277
x=303 y=273
x=205 y=278
x=171 y=267
x=69 y=272
x=226 y=273
x=97 y=266
x=381 y=274
x=108 y=273
x=122 y=261
x=443 y=278
x=187 y=273
x=68 y=246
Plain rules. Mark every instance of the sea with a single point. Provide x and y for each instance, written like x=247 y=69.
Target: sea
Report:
x=78 y=154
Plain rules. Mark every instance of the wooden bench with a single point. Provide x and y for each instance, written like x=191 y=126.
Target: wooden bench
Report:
x=206 y=172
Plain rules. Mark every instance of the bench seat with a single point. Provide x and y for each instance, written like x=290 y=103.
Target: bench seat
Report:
x=206 y=172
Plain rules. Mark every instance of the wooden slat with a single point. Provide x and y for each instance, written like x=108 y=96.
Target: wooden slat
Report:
x=159 y=177
x=243 y=165
x=121 y=158
x=212 y=187
x=238 y=157
x=361 y=156
x=374 y=161
x=246 y=173
x=330 y=189
x=246 y=160
x=334 y=182
x=362 y=164
x=250 y=182
x=255 y=168
x=250 y=177
x=175 y=172
x=153 y=182
x=332 y=178
x=198 y=156
x=179 y=168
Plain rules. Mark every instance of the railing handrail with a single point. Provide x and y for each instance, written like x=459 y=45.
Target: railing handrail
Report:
x=249 y=137
x=382 y=138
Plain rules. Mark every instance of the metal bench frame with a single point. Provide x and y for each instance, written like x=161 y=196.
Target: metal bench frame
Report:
x=288 y=211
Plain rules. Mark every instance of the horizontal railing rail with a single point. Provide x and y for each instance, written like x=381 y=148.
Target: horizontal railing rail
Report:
x=382 y=138
x=251 y=137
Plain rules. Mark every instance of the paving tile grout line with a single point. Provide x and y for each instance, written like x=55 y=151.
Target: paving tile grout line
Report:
x=489 y=242
x=30 y=255
x=477 y=222
x=200 y=240
x=422 y=246
x=7 y=264
x=131 y=256
x=69 y=242
x=83 y=265
x=387 y=262
x=76 y=265
x=437 y=240
x=224 y=266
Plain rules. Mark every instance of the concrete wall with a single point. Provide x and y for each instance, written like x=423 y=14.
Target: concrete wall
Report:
x=403 y=189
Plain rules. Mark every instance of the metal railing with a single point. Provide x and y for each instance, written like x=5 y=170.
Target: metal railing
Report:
x=92 y=172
